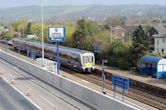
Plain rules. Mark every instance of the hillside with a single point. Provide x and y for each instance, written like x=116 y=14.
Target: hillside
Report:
x=98 y=12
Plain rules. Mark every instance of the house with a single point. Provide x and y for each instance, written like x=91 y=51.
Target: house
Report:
x=5 y=29
x=160 y=39
x=119 y=33
x=123 y=32
x=160 y=43
x=130 y=29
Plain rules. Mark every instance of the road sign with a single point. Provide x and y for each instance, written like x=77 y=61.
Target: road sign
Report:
x=56 y=34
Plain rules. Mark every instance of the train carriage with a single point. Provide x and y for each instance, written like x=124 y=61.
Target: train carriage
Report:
x=76 y=59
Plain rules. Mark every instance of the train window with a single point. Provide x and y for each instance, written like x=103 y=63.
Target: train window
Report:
x=87 y=59
x=76 y=59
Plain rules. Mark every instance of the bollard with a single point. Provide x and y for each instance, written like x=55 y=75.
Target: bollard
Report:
x=13 y=81
x=29 y=92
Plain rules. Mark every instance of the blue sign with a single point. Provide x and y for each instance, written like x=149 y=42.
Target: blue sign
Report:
x=33 y=54
x=6 y=42
x=57 y=34
x=120 y=82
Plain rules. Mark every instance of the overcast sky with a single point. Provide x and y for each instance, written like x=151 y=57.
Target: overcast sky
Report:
x=17 y=3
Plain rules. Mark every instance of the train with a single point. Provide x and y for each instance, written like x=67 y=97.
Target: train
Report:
x=76 y=59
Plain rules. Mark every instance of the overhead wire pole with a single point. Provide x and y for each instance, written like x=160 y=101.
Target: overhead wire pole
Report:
x=42 y=35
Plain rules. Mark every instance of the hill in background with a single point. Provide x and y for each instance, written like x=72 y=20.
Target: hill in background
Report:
x=96 y=12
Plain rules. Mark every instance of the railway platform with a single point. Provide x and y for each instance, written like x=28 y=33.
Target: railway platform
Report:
x=161 y=83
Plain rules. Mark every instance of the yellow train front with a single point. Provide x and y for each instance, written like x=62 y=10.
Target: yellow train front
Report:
x=88 y=62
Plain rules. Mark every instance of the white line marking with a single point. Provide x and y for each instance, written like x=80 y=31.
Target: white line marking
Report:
x=47 y=101
x=21 y=93
x=85 y=81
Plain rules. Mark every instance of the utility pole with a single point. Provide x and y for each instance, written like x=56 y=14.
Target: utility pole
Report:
x=42 y=34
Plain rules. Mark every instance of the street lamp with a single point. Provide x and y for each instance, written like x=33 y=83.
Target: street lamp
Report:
x=103 y=76
x=42 y=34
x=79 y=37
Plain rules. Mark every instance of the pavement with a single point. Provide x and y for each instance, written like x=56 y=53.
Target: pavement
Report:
x=10 y=100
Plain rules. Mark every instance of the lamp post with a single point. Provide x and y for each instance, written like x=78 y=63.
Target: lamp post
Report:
x=6 y=43
x=103 y=76
x=79 y=37
x=42 y=34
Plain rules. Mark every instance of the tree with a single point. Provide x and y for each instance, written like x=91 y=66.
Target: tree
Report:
x=150 y=31
x=70 y=29
x=29 y=28
x=118 y=54
x=114 y=21
x=140 y=45
x=8 y=35
x=87 y=27
x=36 y=30
x=105 y=28
x=85 y=30
x=21 y=26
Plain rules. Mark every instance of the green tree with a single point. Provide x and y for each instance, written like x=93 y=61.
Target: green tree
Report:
x=118 y=54
x=8 y=35
x=36 y=30
x=85 y=30
x=140 y=45
x=70 y=29
x=21 y=26
x=29 y=28
x=114 y=21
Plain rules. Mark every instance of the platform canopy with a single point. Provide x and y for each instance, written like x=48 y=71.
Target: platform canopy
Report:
x=150 y=59
x=155 y=66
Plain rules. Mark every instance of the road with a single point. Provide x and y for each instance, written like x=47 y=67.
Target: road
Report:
x=44 y=95
x=10 y=100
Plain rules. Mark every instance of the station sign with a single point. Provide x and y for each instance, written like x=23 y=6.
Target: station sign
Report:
x=56 y=34
x=121 y=82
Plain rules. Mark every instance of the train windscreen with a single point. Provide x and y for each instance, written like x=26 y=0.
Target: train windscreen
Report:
x=87 y=59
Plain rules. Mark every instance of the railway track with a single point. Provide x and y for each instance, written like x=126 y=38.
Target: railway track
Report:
x=134 y=93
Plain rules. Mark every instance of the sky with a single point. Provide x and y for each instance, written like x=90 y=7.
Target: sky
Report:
x=17 y=3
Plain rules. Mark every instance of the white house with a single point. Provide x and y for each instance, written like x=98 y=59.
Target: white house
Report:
x=160 y=43
x=31 y=36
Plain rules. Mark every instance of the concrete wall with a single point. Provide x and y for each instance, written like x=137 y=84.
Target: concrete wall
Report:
x=82 y=93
